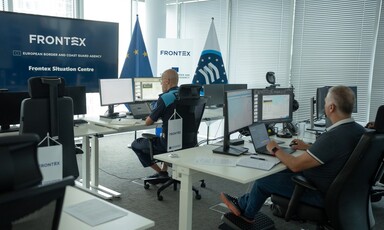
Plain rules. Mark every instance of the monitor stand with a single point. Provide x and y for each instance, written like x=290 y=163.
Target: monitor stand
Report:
x=110 y=114
x=231 y=150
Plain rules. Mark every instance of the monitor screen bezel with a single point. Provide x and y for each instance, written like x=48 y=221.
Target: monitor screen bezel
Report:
x=258 y=105
x=79 y=98
x=118 y=82
x=138 y=90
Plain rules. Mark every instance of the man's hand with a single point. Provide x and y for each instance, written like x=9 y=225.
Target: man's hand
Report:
x=299 y=144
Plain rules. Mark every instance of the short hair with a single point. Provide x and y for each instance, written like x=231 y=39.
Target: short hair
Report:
x=172 y=75
x=343 y=97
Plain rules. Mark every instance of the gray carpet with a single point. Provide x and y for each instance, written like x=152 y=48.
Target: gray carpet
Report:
x=121 y=171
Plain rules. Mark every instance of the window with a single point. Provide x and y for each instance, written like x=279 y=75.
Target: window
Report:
x=62 y=8
x=333 y=44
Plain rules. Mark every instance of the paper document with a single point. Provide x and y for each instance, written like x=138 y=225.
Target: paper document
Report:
x=258 y=162
x=94 y=212
x=222 y=161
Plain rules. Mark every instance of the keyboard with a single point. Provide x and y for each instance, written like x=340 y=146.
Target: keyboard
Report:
x=79 y=122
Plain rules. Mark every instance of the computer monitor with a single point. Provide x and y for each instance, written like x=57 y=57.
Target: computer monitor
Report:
x=321 y=93
x=10 y=104
x=273 y=105
x=147 y=88
x=238 y=114
x=79 y=98
x=215 y=92
x=113 y=92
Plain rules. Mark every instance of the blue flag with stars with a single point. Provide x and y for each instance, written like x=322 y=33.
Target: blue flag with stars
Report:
x=136 y=62
x=210 y=69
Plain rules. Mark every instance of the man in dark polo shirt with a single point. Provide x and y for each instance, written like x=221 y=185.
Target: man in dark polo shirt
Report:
x=320 y=162
x=163 y=110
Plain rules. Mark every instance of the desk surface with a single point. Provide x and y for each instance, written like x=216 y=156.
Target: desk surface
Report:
x=187 y=158
x=120 y=124
x=75 y=196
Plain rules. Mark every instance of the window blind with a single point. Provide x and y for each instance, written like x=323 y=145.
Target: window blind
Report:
x=377 y=93
x=333 y=44
x=261 y=35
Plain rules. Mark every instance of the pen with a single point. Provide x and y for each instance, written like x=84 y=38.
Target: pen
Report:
x=258 y=158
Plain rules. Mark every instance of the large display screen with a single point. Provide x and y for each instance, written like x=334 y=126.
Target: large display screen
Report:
x=81 y=51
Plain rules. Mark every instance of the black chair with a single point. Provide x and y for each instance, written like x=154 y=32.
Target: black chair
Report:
x=347 y=202
x=377 y=191
x=49 y=111
x=190 y=106
x=21 y=191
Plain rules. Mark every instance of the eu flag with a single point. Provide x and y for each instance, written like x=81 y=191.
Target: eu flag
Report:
x=210 y=69
x=136 y=62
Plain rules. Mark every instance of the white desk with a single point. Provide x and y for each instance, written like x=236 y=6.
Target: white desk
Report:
x=98 y=127
x=90 y=163
x=90 y=134
x=187 y=171
x=75 y=196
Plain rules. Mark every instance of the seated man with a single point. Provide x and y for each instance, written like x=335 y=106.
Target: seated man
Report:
x=320 y=163
x=163 y=110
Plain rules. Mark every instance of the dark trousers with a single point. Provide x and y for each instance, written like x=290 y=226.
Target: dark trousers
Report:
x=141 y=147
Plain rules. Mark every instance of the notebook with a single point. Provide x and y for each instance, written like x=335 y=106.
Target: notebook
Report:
x=139 y=110
x=260 y=139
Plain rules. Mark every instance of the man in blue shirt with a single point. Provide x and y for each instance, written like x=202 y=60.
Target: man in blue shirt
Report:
x=163 y=110
x=320 y=162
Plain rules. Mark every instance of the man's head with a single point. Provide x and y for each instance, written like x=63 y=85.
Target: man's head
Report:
x=339 y=103
x=169 y=79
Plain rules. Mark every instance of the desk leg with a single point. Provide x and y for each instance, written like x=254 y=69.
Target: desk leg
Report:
x=186 y=194
x=85 y=182
x=86 y=163
x=95 y=170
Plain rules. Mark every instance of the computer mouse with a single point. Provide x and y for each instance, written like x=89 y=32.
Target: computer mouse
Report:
x=293 y=143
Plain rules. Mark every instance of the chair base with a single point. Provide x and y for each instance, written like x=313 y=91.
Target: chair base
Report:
x=166 y=182
x=232 y=222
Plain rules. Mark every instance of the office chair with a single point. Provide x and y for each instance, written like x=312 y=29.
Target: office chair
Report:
x=377 y=191
x=48 y=111
x=21 y=191
x=347 y=202
x=190 y=106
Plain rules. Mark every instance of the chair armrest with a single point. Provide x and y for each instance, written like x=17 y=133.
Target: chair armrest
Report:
x=149 y=136
x=302 y=181
x=301 y=184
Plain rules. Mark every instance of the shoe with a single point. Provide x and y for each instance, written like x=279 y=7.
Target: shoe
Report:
x=232 y=203
x=277 y=210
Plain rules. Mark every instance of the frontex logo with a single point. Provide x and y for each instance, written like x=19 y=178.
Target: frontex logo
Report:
x=56 y=40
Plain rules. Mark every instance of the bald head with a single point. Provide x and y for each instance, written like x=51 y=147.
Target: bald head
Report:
x=170 y=79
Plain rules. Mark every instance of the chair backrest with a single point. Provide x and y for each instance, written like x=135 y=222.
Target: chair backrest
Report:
x=347 y=201
x=19 y=167
x=21 y=192
x=49 y=111
x=190 y=106
x=379 y=127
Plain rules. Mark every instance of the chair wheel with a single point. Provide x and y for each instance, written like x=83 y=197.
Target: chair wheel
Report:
x=198 y=197
x=160 y=197
x=202 y=184
x=146 y=186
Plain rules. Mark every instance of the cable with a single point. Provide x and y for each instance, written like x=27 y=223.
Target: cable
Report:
x=122 y=178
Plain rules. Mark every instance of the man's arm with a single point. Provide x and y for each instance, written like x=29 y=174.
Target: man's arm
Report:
x=295 y=164
x=149 y=121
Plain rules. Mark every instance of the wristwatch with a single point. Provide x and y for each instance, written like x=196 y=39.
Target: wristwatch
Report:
x=274 y=150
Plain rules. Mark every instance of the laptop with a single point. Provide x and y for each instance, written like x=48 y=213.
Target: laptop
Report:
x=139 y=110
x=260 y=139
